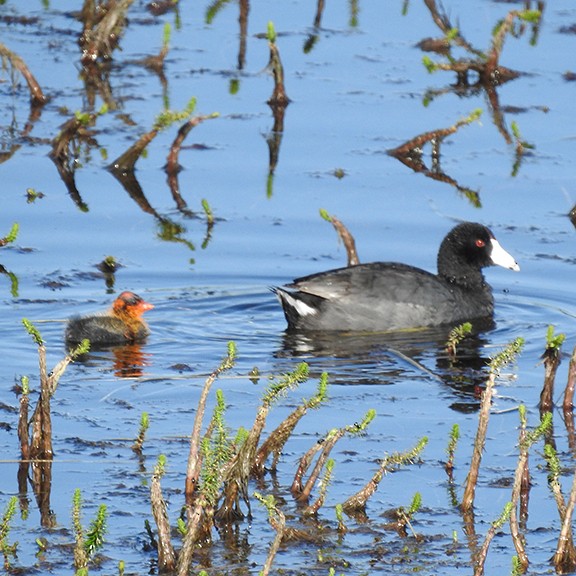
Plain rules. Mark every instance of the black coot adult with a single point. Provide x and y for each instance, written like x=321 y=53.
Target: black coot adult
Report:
x=388 y=296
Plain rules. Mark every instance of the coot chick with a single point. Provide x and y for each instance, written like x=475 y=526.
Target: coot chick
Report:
x=388 y=296
x=122 y=324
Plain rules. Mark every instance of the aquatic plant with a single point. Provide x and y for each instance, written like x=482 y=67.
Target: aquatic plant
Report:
x=505 y=356
x=357 y=503
x=87 y=541
x=7 y=550
x=451 y=449
x=144 y=425
x=238 y=472
x=278 y=438
x=344 y=235
x=300 y=490
x=551 y=360
x=457 y=334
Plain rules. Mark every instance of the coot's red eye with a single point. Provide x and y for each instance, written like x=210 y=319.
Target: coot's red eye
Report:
x=480 y=243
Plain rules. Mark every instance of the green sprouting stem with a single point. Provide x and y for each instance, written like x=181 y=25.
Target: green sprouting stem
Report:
x=541 y=430
x=208 y=212
x=33 y=331
x=6 y=519
x=95 y=535
x=429 y=64
x=453 y=442
x=415 y=505
x=321 y=392
x=160 y=467
x=288 y=381
x=553 y=463
x=121 y=566
x=501 y=520
x=11 y=236
x=144 y=425
x=358 y=428
x=457 y=334
x=340 y=517
x=80 y=555
x=325 y=215
x=181 y=526
x=271 y=33
x=216 y=452
x=80 y=349
x=6 y=549
x=553 y=342
x=507 y=355
x=25 y=383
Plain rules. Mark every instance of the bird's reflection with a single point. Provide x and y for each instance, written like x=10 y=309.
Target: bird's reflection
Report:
x=128 y=361
x=385 y=358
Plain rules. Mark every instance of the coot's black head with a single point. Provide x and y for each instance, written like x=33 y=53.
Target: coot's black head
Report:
x=467 y=249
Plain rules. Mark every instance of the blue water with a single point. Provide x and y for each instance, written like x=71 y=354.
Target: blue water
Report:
x=360 y=91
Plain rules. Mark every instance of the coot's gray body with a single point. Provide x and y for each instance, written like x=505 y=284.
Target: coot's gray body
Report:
x=388 y=296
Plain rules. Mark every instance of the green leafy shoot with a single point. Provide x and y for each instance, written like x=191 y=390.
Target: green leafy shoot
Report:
x=33 y=331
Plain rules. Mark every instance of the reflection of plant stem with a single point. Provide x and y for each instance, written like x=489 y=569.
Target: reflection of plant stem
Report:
x=36 y=95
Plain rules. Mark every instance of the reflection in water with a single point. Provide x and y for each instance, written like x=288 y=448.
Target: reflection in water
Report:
x=384 y=358
x=127 y=361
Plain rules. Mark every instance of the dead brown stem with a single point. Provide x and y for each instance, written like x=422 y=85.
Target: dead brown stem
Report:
x=329 y=442
x=568 y=404
x=479 y=443
x=199 y=517
x=519 y=481
x=194 y=455
x=551 y=360
x=166 y=554
x=279 y=96
x=565 y=556
x=357 y=502
x=275 y=441
x=347 y=239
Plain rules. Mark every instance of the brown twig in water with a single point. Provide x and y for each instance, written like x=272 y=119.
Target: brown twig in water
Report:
x=279 y=96
x=345 y=235
x=551 y=360
x=278 y=522
x=568 y=404
x=565 y=555
x=480 y=441
x=357 y=502
x=194 y=455
x=480 y=560
x=166 y=554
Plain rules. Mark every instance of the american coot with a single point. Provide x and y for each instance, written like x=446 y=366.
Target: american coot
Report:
x=122 y=324
x=387 y=296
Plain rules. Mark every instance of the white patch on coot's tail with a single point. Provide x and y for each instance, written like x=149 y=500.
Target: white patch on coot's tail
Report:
x=500 y=257
x=301 y=308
